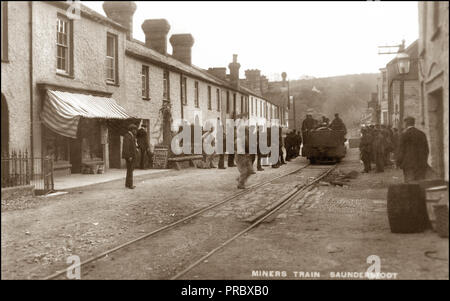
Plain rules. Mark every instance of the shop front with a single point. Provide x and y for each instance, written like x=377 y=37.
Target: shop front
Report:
x=81 y=132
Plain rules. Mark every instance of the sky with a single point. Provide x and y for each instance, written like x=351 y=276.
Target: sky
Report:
x=319 y=39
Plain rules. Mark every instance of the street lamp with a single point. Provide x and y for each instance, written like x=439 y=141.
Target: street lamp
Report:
x=403 y=62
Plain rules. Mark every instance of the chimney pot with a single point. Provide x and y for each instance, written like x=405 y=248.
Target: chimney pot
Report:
x=182 y=47
x=121 y=12
x=156 y=34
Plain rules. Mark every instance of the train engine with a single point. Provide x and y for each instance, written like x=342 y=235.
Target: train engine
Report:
x=324 y=145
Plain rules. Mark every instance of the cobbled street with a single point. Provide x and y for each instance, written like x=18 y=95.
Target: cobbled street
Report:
x=329 y=229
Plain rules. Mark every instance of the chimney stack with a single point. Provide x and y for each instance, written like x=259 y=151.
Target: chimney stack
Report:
x=234 y=71
x=218 y=72
x=182 y=47
x=121 y=12
x=156 y=34
x=253 y=79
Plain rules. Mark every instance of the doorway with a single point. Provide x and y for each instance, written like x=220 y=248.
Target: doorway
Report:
x=436 y=129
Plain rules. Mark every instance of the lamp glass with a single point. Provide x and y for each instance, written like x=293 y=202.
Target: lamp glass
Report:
x=403 y=63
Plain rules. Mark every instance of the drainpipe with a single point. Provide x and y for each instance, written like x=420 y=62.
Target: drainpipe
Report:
x=181 y=98
x=30 y=5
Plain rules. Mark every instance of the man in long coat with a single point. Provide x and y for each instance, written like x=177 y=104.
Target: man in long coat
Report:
x=129 y=153
x=365 y=149
x=378 y=149
x=413 y=152
x=144 y=147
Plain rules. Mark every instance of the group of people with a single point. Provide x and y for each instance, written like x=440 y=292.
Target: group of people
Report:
x=245 y=162
x=309 y=123
x=380 y=144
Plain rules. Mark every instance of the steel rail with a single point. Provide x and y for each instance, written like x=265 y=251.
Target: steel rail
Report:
x=287 y=197
x=190 y=216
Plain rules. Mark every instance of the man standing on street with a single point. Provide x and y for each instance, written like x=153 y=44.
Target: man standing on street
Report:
x=144 y=147
x=412 y=152
x=378 y=150
x=129 y=153
x=365 y=149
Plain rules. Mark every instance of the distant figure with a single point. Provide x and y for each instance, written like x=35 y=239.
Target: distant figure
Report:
x=280 y=150
x=388 y=148
x=395 y=143
x=224 y=143
x=143 y=144
x=378 y=148
x=298 y=143
x=129 y=153
x=290 y=142
x=208 y=160
x=258 y=154
x=365 y=149
x=308 y=125
x=337 y=124
x=413 y=152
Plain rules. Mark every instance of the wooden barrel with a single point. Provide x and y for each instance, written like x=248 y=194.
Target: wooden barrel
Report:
x=406 y=208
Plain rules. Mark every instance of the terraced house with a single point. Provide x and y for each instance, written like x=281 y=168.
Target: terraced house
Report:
x=72 y=79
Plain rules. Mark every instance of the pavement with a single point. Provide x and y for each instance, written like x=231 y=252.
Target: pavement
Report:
x=82 y=180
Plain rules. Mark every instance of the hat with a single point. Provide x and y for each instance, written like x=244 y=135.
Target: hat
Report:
x=132 y=127
x=409 y=118
x=309 y=112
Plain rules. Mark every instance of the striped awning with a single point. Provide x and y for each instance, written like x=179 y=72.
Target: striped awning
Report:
x=62 y=111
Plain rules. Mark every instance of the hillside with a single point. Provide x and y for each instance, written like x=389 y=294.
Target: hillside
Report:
x=347 y=95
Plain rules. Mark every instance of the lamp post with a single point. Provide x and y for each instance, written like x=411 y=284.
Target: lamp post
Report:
x=403 y=64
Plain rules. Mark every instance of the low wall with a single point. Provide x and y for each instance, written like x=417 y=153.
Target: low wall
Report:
x=12 y=193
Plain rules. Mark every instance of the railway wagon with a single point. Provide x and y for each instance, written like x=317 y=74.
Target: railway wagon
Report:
x=324 y=145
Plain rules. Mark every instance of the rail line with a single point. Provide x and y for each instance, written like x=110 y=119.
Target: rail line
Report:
x=174 y=224
x=281 y=203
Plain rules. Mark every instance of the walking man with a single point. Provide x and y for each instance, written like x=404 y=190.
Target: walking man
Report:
x=244 y=162
x=129 y=153
x=413 y=152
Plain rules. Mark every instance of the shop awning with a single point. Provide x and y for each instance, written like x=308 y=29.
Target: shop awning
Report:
x=62 y=111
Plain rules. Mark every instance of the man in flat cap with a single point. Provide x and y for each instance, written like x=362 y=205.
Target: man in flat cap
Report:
x=413 y=152
x=129 y=153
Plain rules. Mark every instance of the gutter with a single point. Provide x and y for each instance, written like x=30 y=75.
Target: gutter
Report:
x=30 y=5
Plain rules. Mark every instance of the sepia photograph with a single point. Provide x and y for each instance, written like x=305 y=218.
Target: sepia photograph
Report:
x=240 y=141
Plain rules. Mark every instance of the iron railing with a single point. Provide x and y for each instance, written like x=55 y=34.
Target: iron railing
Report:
x=19 y=169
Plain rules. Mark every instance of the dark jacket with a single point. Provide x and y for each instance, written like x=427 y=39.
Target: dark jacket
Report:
x=338 y=125
x=308 y=124
x=365 y=144
x=413 y=150
x=142 y=139
x=129 y=146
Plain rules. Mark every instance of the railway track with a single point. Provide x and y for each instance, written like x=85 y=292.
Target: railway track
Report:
x=175 y=224
x=284 y=201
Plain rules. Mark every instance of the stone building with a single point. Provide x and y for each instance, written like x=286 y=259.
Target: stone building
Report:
x=382 y=97
x=69 y=91
x=16 y=77
x=403 y=97
x=434 y=81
